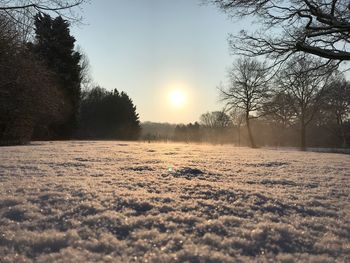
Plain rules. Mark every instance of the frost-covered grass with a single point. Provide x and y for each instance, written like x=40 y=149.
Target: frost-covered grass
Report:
x=139 y=202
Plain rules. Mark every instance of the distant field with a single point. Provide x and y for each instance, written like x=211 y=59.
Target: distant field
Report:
x=139 y=202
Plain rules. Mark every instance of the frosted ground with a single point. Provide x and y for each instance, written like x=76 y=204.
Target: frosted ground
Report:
x=140 y=202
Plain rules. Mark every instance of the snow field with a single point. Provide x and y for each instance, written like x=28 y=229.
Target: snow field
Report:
x=81 y=201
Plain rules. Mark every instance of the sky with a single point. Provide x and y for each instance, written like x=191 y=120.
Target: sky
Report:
x=151 y=48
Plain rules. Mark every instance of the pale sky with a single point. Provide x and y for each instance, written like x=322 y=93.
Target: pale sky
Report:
x=148 y=48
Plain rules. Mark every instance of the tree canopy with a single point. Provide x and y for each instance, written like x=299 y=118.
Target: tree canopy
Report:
x=247 y=89
x=318 y=27
x=305 y=89
x=22 y=11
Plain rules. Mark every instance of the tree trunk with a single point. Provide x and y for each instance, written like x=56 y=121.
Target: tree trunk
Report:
x=343 y=137
x=302 y=135
x=251 y=139
x=342 y=131
x=239 y=135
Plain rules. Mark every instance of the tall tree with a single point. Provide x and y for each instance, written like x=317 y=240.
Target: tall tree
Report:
x=55 y=45
x=247 y=90
x=237 y=117
x=338 y=109
x=278 y=112
x=316 y=27
x=29 y=94
x=304 y=81
x=130 y=123
x=279 y=108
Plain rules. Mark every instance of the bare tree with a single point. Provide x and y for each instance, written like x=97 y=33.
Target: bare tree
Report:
x=338 y=108
x=216 y=126
x=279 y=109
x=87 y=83
x=305 y=86
x=247 y=89
x=318 y=27
x=215 y=119
x=279 y=114
x=23 y=11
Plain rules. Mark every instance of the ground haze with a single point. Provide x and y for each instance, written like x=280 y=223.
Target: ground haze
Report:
x=138 y=202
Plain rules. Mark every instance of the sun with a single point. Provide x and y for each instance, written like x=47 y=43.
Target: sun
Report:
x=177 y=98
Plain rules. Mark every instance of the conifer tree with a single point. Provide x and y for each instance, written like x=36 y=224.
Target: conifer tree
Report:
x=55 y=45
x=108 y=115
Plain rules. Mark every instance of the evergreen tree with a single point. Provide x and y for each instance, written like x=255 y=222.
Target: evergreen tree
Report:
x=29 y=94
x=55 y=45
x=131 y=123
x=108 y=115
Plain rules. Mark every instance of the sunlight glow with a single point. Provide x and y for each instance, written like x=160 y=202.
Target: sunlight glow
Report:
x=177 y=98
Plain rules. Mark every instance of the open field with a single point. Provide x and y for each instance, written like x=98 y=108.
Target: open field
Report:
x=125 y=202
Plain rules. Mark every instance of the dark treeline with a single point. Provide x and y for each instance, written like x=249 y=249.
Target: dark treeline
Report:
x=153 y=131
x=214 y=127
x=41 y=84
x=109 y=115
x=188 y=133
